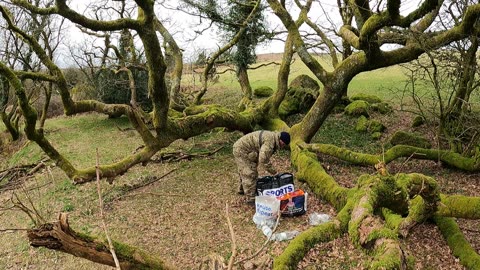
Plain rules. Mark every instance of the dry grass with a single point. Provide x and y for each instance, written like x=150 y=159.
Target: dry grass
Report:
x=180 y=218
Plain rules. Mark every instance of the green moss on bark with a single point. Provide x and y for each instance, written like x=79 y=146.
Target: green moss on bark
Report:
x=459 y=206
x=392 y=219
x=457 y=242
x=301 y=244
x=322 y=184
x=450 y=158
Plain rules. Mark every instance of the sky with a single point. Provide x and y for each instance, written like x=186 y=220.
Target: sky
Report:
x=182 y=26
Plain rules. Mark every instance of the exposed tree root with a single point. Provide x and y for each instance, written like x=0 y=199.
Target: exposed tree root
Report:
x=368 y=231
x=457 y=242
x=59 y=236
x=404 y=200
x=459 y=206
x=182 y=155
x=398 y=151
x=311 y=171
x=300 y=245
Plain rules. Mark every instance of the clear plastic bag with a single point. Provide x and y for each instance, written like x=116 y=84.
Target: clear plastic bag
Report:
x=317 y=218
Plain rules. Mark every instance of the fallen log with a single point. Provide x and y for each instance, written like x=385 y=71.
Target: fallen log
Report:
x=59 y=236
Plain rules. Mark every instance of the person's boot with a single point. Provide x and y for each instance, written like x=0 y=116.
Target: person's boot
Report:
x=250 y=200
x=240 y=190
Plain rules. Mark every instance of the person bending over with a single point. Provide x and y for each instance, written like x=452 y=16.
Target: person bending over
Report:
x=254 y=150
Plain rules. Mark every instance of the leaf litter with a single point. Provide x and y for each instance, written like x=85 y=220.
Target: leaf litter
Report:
x=181 y=217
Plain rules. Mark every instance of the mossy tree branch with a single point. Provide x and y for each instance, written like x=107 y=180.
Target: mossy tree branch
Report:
x=414 y=195
x=311 y=171
x=457 y=242
x=176 y=74
x=452 y=159
x=459 y=206
x=299 y=247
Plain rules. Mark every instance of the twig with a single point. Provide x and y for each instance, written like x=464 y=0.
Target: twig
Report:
x=135 y=187
x=123 y=129
x=264 y=65
x=38 y=166
x=18 y=168
x=50 y=173
x=180 y=155
x=21 y=206
x=112 y=250
x=264 y=244
x=40 y=218
x=39 y=186
x=154 y=194
x=12 y=230
x=408 y=159
x=201 y=154
x=232 y=234
x=153 y=181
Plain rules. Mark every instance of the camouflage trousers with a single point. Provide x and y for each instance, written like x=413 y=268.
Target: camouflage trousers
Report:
x=247 y=170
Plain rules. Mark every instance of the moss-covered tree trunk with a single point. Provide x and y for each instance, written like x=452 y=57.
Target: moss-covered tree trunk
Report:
x=242 y=77
x=9 y=119
x=213 y=58
x=48 y=96
x=176 y=99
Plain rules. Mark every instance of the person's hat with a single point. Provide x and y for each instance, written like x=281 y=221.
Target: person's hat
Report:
x=285 y=137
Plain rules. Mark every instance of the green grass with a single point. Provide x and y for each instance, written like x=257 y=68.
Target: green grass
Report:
x=78 y=137
x=379 y=82
x=382 y=82
x=29 y=154
x=339 y=130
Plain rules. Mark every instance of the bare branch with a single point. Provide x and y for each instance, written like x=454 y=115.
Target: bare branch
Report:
x=102 y=216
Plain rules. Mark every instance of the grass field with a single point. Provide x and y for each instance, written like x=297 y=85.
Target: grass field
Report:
x=386 y=83
x=379 y=82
